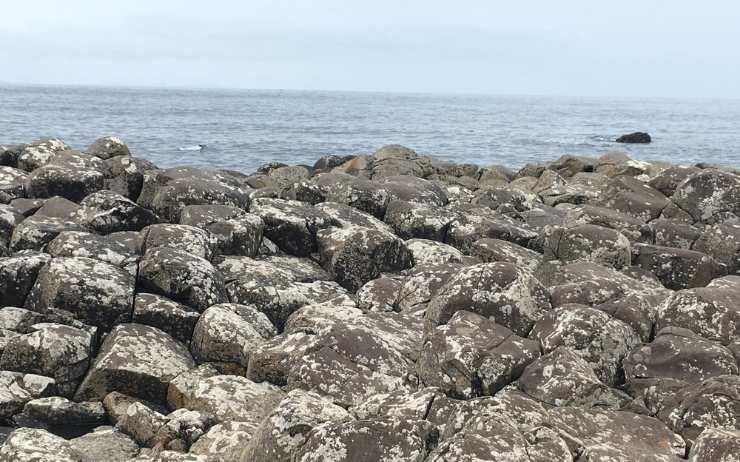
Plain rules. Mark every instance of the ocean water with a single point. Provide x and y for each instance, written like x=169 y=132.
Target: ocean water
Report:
x=243 y=129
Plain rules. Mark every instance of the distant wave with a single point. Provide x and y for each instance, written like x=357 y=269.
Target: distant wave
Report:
x=195 y=147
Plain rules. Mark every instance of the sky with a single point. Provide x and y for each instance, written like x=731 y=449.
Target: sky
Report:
x=573 y=48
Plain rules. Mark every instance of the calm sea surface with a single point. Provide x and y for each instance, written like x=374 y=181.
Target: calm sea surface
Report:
x=245 y=128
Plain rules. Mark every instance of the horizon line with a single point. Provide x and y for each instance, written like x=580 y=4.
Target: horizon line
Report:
x=364 y=91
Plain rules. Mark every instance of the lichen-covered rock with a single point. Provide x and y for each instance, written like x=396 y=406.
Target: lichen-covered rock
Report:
x=289 y=425
x=356 y=255
x=141 y=423
x=276 y=285
x=671 y=233
x=709 y=196
x=668 y=179
x=366 y=353
x=377 y=440
x=713 y=403
x=36 y=445
x=474 y=224
x=38 y=153
x=18 y=275
x=62 y=416
x=166 y=315
x=587 y=243
x=677 y=354
x=12 y=184
x=292 y=225
x=182 y=277
x=188 y=239
x=563 y=378
x=108 y=212
x=432 y=253
x=598 y=434
x=356 y=192
x=492 y=250
x=107 y=147
x=69 y=174
x=716 y=445
x=712 y=312
x=471 y=355
x=234 y=231
x=224 y=442
x=137 y=360
x=17 y=388
x=36 y=231
x=635 y=198
x=598 y=338
x=722 y=242
x=125 y=175
x=622 y=297
x=88 y=245
x=677 y=268
x=428 y=403
x=166 y=192
x=589 y=214
x=229 y=332
x=97 y=293
x=501 y=291
x=348 y=216
x=53 y=350
x=423 y=221
x=104 y=443
x=233 y=398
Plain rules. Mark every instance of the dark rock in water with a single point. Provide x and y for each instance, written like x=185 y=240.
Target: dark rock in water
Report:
x=636 y=137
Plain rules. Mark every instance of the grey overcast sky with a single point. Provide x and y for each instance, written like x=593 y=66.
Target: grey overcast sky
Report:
x=570 y=47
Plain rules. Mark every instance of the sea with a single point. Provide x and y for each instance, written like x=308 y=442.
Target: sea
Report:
x=243 y=129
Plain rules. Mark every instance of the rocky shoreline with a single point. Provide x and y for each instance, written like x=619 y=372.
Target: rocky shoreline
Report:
x=388 y=307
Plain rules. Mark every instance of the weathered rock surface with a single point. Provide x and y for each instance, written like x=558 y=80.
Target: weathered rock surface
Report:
x=386 y=306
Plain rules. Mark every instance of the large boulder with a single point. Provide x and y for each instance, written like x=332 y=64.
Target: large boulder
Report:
x=599 y=339
x=709 y=196
x=137 y=360
x=501 y=291
x=677 y=354
x=677 y=268
x=292 y=225
x=471 y=356
x=53 y=350
x=356 y=255
x=290 y=424
x=587 y=243
x=38 y=153
x=125 y=175
x=234 y=231
x=233 y=398
x=229 y=332
x=722 y=242
x=376 y=440
x=95 y=292
x=107 y=147
x=712 y=312
x=717 y=445
x=107 y=212
x=174 y=318
x=101 y=248
x=182 y=277
x=18 y=275
x=69 y=174
x=189 y=239
x=17 y=388
x=37 y=445
x=12 y=184
x=167 y=192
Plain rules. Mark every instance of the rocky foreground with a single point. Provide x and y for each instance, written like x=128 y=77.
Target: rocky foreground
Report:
x=390 y=307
